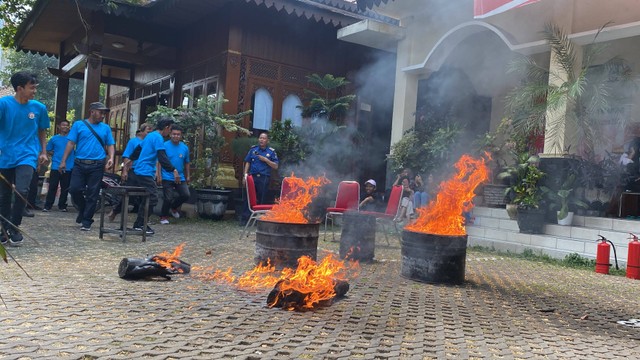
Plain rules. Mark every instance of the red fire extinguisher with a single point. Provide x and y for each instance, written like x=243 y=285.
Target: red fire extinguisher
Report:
x=603 y=254
x=633 y=258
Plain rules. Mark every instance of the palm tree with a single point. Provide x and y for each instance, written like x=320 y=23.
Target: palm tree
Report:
x=581 y=94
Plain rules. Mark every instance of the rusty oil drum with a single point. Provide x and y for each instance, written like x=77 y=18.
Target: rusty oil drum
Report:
x=358 y=238
x=285 y=243
x=430 y=258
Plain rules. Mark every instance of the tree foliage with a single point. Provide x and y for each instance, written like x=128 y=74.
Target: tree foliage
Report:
x=37 y=64
x=12 y=13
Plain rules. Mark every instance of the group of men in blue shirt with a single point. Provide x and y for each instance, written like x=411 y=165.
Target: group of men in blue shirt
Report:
x=87 y=148
x=144 y=162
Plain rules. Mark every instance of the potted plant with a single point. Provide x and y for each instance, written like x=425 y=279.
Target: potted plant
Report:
x=203 y=124
x=525 y=192
x=491 y=144
x=564 y=199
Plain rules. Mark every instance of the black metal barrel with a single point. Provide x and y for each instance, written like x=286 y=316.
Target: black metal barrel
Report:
x=433 y=258
x=285 y=243
x=358 y=239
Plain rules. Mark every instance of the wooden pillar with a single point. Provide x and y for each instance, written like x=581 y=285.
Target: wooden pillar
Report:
x=231 y=72
x=62 y=90
x=93 y=67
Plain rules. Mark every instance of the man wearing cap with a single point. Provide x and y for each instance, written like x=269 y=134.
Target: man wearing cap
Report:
x=89 y=137
x=370 y=200
x=23 y=126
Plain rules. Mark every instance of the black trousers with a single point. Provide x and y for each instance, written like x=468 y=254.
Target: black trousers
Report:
x=148 y=183
x=19 y=176
x=57 y=178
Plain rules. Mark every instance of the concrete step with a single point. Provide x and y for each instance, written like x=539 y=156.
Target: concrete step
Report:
x=493 y=228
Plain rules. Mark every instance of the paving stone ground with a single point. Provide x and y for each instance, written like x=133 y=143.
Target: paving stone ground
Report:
x=76 y=306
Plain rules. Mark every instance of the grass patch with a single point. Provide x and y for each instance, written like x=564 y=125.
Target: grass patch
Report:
x=574 y=261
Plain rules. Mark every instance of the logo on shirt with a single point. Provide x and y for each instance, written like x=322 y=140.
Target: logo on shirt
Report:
x=268 y=155
x=32 y=116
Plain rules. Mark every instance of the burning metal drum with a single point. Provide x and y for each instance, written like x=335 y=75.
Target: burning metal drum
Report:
x=358 y=239
x=431 y=258
x=284 y=243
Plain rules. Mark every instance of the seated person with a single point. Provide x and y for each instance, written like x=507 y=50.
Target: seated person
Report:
x=406 y=204
x=369 y=199
x=423 y=192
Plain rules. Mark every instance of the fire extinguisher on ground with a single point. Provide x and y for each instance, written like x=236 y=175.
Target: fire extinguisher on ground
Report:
x=633 y=258
x=603 y=254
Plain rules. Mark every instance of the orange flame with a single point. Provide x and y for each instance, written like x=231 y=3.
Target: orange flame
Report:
x=443 y=216
x=167 y=260
x=315 y=280
x=292 y=208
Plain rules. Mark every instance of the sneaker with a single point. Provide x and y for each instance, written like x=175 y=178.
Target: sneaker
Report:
x=175 y=213
x=164 y=220
x=3 y=238
x=79 y=219
x=85 y=228
x=63 y=209
x=15 y=238
x=46 y=209
x=148 y=232
x=28 y=213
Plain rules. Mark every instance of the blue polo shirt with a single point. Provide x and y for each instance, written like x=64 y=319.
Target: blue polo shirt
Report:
x=179 y=155
x=260 y=167
x=19 y=125
x=131 y=146
x=57 y=144
x=146 y=163
x=87 y=146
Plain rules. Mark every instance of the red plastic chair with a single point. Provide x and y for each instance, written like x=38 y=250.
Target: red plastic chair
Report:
x=395 y=197
x=286 y=188
x=255 y=209
x=347 y=198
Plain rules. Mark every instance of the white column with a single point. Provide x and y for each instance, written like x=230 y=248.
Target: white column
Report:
x=559 y=133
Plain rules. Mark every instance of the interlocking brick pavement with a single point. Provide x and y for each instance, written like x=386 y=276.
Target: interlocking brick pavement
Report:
x=76 y=306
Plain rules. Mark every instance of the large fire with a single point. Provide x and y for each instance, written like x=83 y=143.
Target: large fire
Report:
x=443 y=216
x=293 y=207
x=314 y=282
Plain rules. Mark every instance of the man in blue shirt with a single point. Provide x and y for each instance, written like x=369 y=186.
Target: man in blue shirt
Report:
x=23 y=134
x=141 y=133
x=55 y=147
x=175 y=193
x=150 y=151
x=89 y=138
x=259 y=161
